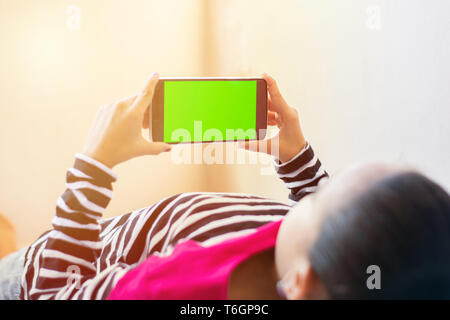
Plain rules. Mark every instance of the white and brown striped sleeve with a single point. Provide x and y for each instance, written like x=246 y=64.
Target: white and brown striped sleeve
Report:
x=68 y=261
x=301 y=174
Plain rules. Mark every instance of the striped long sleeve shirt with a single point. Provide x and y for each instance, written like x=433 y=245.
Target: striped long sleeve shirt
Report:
x=84 y=256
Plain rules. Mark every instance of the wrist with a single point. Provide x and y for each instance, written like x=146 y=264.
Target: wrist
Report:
x=293 y=151
x=99 y=158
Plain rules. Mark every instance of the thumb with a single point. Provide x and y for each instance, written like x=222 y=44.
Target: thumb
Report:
x=148 y=147
x=144 y=99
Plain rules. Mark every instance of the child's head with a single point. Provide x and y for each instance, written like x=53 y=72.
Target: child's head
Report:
x=371 y=216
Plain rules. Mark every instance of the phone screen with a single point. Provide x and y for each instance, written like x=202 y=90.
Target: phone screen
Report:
x=202 y=110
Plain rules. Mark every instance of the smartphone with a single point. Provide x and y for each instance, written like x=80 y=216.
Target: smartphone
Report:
x=196 y=110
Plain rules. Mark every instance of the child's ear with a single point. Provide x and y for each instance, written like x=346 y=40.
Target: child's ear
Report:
x=7 y=237
x=295 y=284
x=305 y=285
x=313 y=288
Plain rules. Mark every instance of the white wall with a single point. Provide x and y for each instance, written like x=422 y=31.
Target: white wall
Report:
x=53 y=79
x=363 y=93
x=368 y=86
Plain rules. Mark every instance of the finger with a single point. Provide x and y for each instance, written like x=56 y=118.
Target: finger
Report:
x=128 y=100
x=272 y=118
x=144 y=99
x=278 y=103
x=147 y=147
x=269 y=103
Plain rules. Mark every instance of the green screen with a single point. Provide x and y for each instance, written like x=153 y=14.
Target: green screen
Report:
x=213 y=110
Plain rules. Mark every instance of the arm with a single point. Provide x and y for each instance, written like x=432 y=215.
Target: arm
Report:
x=301 y=174
x=67 y=263
x=295 y=161
x=67 y=266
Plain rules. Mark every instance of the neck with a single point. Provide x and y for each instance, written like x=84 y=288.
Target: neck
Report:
x=254 y=278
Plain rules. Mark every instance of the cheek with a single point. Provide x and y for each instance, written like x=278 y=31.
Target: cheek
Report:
x=286 y=250
x=293 y=238
x=281 y=255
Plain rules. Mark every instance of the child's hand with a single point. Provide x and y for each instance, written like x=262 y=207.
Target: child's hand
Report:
x=290 y=139
x=116 y=135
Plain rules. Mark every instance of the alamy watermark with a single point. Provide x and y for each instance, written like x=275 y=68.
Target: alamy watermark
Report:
x=373 y=20
x=373 y=282
x=73 y=21
x=73 y=276
x=223 y=153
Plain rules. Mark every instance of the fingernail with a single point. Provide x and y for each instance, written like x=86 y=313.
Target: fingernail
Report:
x=155 y=74
x=168 y=148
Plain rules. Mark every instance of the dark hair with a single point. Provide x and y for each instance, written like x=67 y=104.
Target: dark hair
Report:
x=400 y=224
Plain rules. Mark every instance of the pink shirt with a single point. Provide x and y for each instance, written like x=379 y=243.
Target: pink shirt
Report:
x=193 y=271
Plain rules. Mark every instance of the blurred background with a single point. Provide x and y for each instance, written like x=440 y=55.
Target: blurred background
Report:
x=369 y=78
